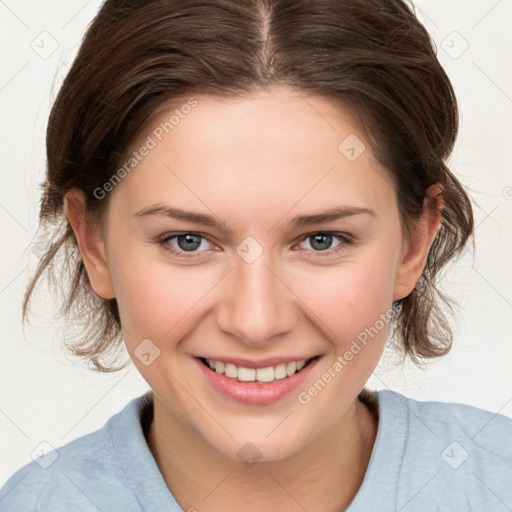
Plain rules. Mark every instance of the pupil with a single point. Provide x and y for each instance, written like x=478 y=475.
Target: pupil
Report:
x=323 y=240
x=189 y=243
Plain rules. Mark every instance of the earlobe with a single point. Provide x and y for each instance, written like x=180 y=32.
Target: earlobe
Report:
x=415 y=253
x=90 y=243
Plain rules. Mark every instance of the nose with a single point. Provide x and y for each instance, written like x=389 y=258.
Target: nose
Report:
x=258 y=306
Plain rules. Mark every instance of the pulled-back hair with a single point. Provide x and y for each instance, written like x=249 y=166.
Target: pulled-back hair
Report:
x=370 y=57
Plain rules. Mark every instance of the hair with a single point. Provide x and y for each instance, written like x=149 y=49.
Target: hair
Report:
x=373 y=58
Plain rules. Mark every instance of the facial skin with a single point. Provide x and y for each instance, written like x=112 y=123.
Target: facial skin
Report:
x=255 y=164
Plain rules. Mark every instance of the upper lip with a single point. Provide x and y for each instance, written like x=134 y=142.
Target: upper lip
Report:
x=263 y=363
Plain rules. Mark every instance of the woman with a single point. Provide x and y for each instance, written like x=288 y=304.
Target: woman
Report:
x=254 y=196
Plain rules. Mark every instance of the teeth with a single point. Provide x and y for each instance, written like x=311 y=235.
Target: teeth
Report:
x=265 y=374
x=292 y=367
x=246 y=374
x=280 y=371
x=231 y=371
x=269 y=374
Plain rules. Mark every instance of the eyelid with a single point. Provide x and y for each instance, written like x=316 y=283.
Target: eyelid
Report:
x=346 y=239
x=168 y=236
x=344 y=236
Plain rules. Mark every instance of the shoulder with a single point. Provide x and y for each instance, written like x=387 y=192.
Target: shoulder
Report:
x=81 y=475
x=453 y=452
x=33 y=486
x=480 y=428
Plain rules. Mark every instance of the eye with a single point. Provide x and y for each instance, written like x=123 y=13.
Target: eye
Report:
x=322 y=242
x=181 y=243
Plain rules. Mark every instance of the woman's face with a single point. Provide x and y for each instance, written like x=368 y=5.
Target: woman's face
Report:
x=294 y=251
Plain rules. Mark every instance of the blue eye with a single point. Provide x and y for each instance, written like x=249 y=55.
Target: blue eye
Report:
x=185 y=242
x=179 y=244
x=322 y=241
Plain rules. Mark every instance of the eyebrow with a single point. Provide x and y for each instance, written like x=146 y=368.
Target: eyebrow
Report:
x=329 y=215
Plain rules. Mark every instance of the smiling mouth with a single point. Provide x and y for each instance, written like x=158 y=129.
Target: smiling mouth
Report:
x=262 y=375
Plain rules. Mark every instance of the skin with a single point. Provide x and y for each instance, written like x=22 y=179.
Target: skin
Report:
x=255 y=163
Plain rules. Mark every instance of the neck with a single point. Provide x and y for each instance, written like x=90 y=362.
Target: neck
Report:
x=325 y=475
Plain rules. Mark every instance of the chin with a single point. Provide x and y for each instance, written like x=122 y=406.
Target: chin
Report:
x=266 y=445
x=252 y=452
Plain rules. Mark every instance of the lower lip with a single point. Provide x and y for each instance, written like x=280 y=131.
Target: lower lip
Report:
x=255 y=393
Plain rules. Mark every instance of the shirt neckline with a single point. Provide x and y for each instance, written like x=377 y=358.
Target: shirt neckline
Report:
x=379 y=488
x=141 y=472
x=135 y=460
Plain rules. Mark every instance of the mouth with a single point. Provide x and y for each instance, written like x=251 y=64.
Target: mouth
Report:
x=262 y=375
x=254 y=383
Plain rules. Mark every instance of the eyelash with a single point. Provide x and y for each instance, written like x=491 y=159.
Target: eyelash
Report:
x=164 y=243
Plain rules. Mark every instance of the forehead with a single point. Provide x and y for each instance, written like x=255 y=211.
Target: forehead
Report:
x=264 y=152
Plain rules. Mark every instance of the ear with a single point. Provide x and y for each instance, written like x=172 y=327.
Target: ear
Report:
x=91 y=244
x=414 y=255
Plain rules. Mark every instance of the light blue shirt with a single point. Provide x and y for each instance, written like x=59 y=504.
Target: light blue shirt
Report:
x=428 y=456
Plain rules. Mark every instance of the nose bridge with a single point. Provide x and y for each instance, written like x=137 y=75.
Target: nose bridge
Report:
x=259 y=306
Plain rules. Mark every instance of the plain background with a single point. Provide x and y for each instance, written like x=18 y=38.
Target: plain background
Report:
x=46 y=398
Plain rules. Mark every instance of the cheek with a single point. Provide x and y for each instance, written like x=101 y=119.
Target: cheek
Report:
x=350 y=300
x=156 y=300
x=161 y=301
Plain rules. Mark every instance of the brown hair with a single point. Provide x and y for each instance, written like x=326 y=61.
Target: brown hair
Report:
x=370 y=56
